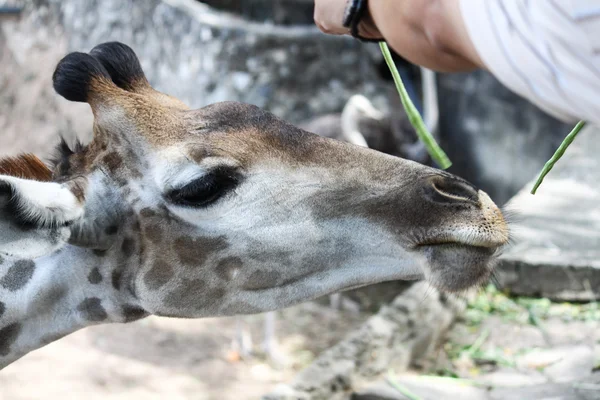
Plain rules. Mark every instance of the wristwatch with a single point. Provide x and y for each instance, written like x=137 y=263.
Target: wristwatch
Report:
x=354 y=13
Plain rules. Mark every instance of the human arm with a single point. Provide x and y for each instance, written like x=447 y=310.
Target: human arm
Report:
x=429 y=33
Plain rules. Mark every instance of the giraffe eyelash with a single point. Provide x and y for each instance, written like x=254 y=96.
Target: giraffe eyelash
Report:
x=208 y=189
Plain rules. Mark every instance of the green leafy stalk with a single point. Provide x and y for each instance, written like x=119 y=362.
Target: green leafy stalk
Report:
x=479 y=342
x=415 y=119
x=557 y=155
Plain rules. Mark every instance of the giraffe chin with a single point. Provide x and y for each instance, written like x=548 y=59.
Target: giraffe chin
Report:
x=456 y=267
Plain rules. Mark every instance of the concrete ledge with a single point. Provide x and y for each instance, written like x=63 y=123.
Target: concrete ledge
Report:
x=405 y=331
x=433 y=389
x=557 y=235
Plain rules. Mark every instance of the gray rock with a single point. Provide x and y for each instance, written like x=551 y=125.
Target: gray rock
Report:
x=400 y=334
x=424 y=388
x=557 y=235
x=575 y=363
x=507 y=377
x=584 y=389
x=378 y=391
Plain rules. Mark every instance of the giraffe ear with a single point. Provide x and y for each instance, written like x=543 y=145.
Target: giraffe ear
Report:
x=80 y=76
x=122 y=65
x=35 y=213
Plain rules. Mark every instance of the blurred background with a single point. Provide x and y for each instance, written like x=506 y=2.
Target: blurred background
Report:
x=536 y=327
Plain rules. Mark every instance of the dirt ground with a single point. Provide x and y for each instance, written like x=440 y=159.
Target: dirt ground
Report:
x=158 y=358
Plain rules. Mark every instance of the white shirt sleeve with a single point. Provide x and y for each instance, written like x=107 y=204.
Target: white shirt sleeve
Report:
x=547 y=51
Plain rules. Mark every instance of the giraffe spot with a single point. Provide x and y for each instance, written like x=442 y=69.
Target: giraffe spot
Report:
x=192 y=296
x=160 y=273
x=187 y=294
x=131 y=288
x=50 y=297
x=147 y=213
x=94 y=276
x=115 y=139
x=111 y=230
x=8 y=335
x=228 y=268
x=195 y=251
x=119 y=180
x=2 y=309
x=128 y=247
x=142 y=254
x=133 y=313
x=112 y=161
x=45 y=300
x=136 y=227
x=199 y=153
x=99 y=253
x=78 y=191
x=166 y=215
x=18 y=275
x=154 y=233
x=135 y=173
x=262 y=280
x=116 y=279
x=91 y=309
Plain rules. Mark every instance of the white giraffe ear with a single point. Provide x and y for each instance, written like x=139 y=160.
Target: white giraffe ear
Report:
x=35 y=214
x=39 y=205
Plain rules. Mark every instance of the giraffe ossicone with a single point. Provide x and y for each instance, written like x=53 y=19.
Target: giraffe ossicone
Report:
x=219 y=211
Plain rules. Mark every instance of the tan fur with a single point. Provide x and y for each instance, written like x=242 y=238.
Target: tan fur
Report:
x=154 y=115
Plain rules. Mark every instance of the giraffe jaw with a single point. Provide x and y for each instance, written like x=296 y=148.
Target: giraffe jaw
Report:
x=455 y=267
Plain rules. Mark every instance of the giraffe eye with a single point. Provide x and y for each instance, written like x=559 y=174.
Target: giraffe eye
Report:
x=206 y=190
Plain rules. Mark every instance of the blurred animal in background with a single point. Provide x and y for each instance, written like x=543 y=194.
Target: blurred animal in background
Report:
x=361 y=123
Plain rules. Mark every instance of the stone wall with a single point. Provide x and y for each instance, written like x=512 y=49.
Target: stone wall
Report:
x=187 y=49
x=495 y=139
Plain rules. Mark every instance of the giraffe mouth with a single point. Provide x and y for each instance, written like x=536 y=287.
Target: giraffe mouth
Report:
x=455 y=267
x=466 y=237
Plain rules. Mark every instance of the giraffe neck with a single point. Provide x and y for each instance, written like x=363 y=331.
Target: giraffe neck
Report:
x=45 y=299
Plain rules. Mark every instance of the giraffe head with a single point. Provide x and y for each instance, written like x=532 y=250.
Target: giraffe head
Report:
x=229 y=210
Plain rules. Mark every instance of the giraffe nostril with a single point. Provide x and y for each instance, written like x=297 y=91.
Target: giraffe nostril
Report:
x=449 y=189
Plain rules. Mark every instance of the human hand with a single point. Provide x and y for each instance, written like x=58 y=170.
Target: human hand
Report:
x=329 y=17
